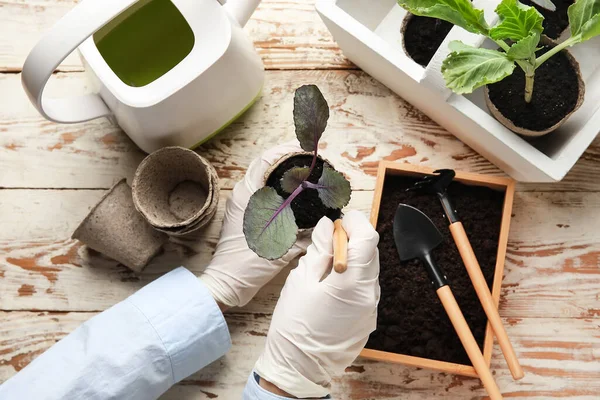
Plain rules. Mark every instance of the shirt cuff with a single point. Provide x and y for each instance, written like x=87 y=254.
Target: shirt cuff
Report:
x=176 y=306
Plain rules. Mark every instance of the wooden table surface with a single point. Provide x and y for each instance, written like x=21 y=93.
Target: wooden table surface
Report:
x=51 y=175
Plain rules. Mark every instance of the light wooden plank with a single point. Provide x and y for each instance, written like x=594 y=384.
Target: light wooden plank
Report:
x=368 y=123
x=552 y=269
x=288 y=34
x=561 y=358
x=42 y=269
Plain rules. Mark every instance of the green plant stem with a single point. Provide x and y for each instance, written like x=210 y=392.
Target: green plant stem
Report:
x=502 y=45
x=529 y=80
x=559 y=47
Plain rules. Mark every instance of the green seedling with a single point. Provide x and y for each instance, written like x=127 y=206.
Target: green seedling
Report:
x=517 y=33
x=269 y=223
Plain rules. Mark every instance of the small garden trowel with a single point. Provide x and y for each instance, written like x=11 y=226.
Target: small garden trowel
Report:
x=416 y=236
x=438 y=185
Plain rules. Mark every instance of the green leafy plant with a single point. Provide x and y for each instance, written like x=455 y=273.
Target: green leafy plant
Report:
x=269 y=223
x=517 y=33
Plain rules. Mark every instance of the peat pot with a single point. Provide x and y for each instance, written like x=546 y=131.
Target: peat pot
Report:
x=422 y=36
x=412 y=327
x=559 y=92
x=115 y=228
x=176 y=190
x=308 y=208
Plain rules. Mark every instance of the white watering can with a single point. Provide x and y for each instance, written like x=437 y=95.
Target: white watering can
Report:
x=169 y=72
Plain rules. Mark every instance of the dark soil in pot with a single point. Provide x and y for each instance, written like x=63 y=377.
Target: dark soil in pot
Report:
x=411 y=319
x=423 y=36
x=307 y=207
x=556 y=94
x=555 y=22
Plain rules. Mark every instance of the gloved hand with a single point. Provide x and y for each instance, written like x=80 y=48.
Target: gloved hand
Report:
x=320 y=325
x=236 y=273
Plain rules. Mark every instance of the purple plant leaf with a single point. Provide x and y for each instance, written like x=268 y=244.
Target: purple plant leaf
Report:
x=294 y=178
x=311 y=113
x=334 y=190
x=269 y=223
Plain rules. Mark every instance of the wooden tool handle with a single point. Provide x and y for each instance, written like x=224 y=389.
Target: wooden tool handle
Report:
x=485 y=297
x=468 y=342
x=340 y=247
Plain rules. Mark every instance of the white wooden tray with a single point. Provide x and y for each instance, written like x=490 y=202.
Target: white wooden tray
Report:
x=368 y=32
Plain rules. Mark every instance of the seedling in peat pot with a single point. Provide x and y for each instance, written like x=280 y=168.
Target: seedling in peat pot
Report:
x=517 y=33
x=269 y=221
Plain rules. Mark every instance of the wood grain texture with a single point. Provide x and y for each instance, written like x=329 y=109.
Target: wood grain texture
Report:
x=368 y=123
x=468 y=341
x=288 y=34
x=552 y=267
x=567 y=365
x=489 y=304
x=51 y=174
x=63 y=275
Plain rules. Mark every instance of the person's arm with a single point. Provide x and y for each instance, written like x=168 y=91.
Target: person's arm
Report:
x=322 y=319
x=135 y=350
x=166 y=331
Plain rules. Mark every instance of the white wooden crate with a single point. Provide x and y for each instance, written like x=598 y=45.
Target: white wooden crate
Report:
x=368 y=32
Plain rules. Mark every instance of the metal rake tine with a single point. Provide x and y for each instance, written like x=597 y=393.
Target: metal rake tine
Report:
x=426 y=180
x=444 y=171
x=420 y=184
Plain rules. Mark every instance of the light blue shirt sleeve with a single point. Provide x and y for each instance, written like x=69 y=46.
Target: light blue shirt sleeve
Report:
x=135 y=350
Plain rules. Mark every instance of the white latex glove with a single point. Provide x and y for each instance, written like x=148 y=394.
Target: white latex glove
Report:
x=320 y=326
x=236 y=273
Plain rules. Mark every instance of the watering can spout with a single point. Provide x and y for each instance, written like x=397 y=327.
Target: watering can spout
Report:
x=241 y=10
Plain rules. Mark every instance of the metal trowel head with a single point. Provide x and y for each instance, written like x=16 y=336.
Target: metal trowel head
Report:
x=414 y=233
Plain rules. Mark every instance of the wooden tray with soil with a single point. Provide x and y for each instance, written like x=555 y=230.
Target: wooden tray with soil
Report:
x=412 y=327
x=422 y=36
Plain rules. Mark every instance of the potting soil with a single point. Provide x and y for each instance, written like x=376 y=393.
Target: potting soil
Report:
x=555 y=94
x=307 y=207
x=423 y=36
x=555 y=22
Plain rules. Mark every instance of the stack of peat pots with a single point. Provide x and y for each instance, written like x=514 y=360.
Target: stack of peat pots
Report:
x=175 y=194
x=177 y=191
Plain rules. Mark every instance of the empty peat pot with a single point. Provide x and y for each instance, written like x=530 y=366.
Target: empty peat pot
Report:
x=194 y=230
x=176 y=190
x=115 y=228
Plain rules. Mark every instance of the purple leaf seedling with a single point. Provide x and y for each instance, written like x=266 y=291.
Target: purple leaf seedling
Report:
x=269 y=222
